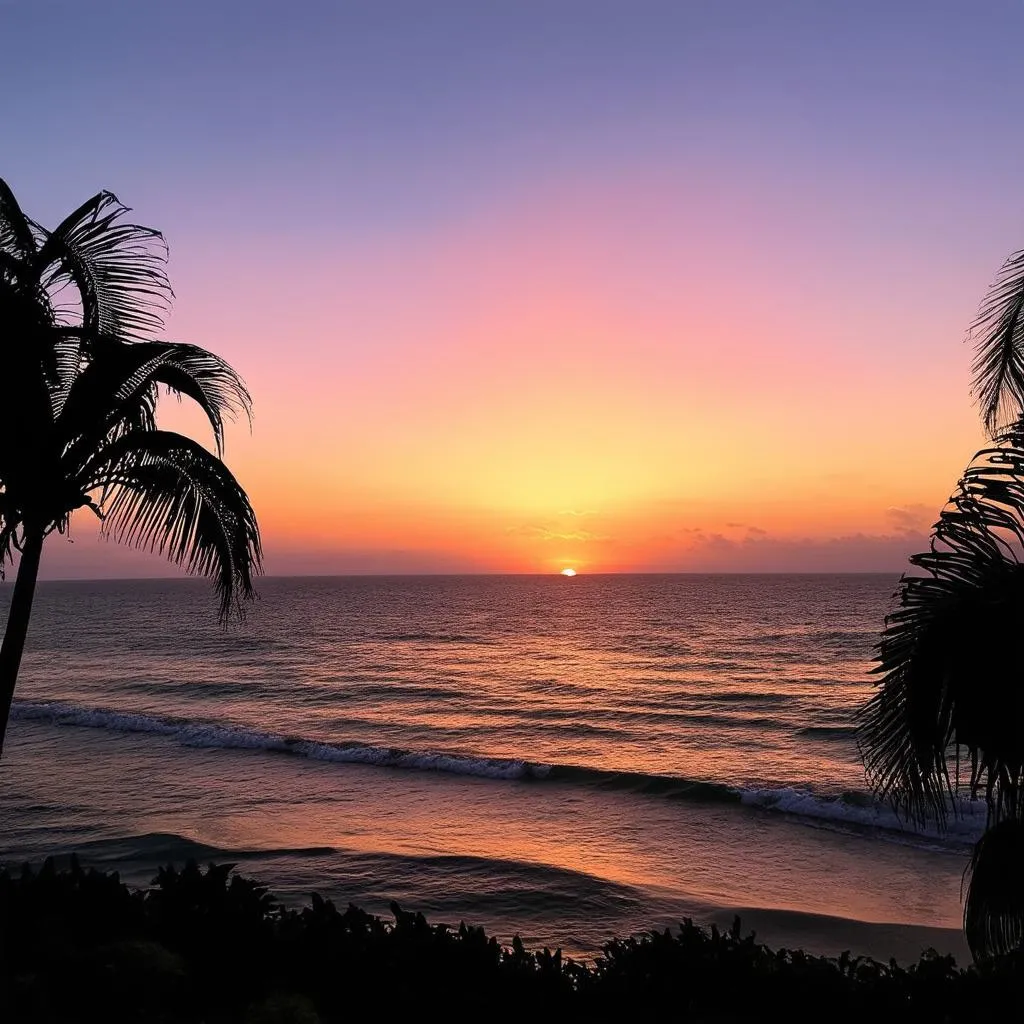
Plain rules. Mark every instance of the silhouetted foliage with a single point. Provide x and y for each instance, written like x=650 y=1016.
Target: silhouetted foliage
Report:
x=948 y=654
x=948 y=719
x=78 y=308
x=994 y=908
x=212 y=946
x=998 y=368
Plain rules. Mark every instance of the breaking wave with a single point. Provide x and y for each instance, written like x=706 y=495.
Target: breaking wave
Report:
x=852 y=809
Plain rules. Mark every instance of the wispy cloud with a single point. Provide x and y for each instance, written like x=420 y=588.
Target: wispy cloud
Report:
x=911 y=518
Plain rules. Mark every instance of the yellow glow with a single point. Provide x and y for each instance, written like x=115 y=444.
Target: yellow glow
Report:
x=626 y=377
x=568 y=572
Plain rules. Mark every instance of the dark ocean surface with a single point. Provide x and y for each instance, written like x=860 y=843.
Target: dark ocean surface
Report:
x=565 y=758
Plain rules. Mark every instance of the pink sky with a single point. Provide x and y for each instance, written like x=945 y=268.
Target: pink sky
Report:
x=642 y=375
x=513 y=300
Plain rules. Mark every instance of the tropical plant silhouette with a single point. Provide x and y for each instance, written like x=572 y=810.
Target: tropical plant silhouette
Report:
x=947 y=721
x=79 y=308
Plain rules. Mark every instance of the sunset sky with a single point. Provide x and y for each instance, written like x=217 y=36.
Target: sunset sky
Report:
x=624 y=286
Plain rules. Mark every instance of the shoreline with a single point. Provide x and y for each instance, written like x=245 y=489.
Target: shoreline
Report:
x=823 y=935
x=560 y=865
x=828 y=936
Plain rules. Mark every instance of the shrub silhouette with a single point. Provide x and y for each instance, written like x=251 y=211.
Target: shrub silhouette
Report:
x=210 y=946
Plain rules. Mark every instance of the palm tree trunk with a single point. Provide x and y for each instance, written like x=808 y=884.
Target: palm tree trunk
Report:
x=17 y=626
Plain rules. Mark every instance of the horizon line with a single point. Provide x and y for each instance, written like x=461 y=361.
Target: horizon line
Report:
x=427 y=575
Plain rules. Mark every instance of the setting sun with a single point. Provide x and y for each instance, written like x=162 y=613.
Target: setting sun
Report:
x=568 y=572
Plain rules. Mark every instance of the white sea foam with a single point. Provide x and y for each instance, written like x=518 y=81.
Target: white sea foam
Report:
x=851 y=809
x=210 y=735
x=966 y=821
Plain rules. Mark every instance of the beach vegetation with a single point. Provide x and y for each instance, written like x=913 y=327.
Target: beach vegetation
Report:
x=211 y=946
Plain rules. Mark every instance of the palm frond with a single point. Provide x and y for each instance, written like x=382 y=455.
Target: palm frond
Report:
x=119 y=386
x=998 y=367
x=16 y=235
x=64 y=367
x=8 y=543
x=211 y=382
x=948 y=651
x=116 y=267
x=164 y=492
x=994 y=908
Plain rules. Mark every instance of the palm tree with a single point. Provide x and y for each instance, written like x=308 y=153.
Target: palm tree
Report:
x=948 y=718
x=79 y=308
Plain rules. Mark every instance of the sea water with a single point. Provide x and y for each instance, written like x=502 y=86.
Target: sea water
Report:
x=566 y=758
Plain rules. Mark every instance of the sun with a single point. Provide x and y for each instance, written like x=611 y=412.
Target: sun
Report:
x=568 y=572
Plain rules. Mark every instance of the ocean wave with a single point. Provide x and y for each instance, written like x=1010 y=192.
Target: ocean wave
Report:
x=828 y=732
x=429 y=638
x=439 y=882
x=170 y=847
x=647 y=784
x=643 y=644
x=966 y=823
x=850 y=809
x=748 y=698
x=208 y=734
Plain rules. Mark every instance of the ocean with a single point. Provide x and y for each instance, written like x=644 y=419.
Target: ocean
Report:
x=563 y=758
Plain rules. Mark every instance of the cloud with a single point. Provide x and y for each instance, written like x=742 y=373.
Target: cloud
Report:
x=582 y=535
x=911 y=518
x=536 y=531
x=760 y=552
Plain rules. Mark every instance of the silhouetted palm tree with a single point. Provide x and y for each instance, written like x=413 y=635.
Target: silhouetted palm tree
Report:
x=948 y=718
x=78 y=308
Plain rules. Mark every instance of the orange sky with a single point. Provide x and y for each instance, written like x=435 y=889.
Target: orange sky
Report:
x=520 y=299
x=616 y=378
